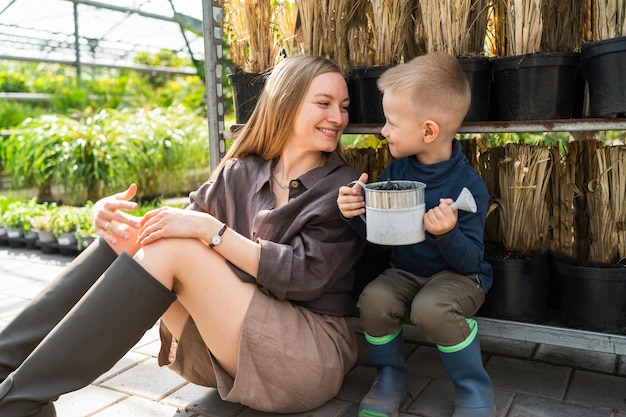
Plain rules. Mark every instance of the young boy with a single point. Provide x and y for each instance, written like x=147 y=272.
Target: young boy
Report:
x=440 y=283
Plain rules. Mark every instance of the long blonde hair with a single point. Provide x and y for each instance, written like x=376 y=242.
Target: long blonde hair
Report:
x=271 y=122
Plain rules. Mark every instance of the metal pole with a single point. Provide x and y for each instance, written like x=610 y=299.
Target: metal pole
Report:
x=212 y=17
x=77 y=45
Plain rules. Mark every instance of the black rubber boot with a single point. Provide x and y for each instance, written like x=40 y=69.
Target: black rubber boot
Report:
x=389 y=387
x=35 y=321
x=105 y=324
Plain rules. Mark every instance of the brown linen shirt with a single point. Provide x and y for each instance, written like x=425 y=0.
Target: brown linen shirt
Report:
x=307 y=251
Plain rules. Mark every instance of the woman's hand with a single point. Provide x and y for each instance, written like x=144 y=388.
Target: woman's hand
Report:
x=169 y=222
x=111 y=223
x=350 y=199
x=440 y=219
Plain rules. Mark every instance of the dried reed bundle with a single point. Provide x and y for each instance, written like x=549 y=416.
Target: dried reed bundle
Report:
x=337 y=17
x=360 y=37
x=563 y=193
x=249 y=28
x=488 y=169
x=389 y=21
x=581 y=155
x=285 y=18
x=496 y=28
x=564 y=25
x=310 y=26
x=523 y=26
x=606 y=196
x=608 y=19
x=455 y=26
x=370 y=160
x=524 y=175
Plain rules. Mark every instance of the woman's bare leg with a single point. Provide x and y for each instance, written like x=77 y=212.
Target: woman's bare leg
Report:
x=207 y=288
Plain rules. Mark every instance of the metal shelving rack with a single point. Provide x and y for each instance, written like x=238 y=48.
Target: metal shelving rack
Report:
x=536 y=333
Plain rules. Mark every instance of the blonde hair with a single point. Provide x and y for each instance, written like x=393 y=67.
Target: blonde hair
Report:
x=271 y=122
x=434 y=81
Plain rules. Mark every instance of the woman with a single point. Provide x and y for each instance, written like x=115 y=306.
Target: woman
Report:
x=251 y=281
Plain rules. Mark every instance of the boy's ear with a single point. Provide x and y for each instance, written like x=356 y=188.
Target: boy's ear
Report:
x=431 y=131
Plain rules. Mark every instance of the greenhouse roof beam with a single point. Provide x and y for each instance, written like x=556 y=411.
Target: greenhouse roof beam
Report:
x=139 y=68
x=123 y=9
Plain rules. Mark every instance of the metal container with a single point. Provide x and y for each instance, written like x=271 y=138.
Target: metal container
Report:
x=394 y=212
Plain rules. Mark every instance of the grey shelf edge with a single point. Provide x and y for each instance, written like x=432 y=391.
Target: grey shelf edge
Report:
x=538 y=126
x=535 y=333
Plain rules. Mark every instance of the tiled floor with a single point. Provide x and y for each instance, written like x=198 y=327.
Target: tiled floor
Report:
x=530 y=380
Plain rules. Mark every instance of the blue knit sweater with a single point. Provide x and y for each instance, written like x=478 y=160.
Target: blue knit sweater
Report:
x=462 y=249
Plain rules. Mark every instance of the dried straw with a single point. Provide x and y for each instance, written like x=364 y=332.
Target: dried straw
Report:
x=608 y=19
x=360 y=37
x=606 y=196
x=455 y=26
x=581 y=155
x=523 y=26
x=564 y=25
x=563 y=193
x=389 y=21
x=249 y=28
x=524 y=175
x=285 y=18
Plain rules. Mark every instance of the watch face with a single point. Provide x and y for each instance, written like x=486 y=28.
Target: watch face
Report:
x=216 y=240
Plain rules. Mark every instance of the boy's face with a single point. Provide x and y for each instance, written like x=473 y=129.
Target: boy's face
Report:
x=403 y=128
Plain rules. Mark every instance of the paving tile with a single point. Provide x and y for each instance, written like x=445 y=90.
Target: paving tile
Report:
x=129 y=360
x=528 y=377
x=505 y=347
x=203 y=401
x=358 y=382
x=576 y=358
x=140 y=407
x=598 y=389
x=86 y=401
x=333 y=408
x=425 y=361
x=529 y=406
x=147 y=380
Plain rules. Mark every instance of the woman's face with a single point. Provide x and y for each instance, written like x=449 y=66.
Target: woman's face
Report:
x=323 y=114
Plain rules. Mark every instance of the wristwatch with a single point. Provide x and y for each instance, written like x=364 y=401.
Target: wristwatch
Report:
x=216 y=239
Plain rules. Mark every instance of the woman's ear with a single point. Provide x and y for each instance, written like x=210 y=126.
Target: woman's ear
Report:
x=431 y=131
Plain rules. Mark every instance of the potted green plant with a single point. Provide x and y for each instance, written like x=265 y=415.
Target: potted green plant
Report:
x=16 y=217
x=43 y=225
x=65 y=223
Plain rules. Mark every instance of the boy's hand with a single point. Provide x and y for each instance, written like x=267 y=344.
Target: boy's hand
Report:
x=441 y=219
x=350 y=200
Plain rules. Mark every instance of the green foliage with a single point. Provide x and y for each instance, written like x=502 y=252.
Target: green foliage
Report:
x=12 y=82
x=18 y=214
x=13 y=113
x=102 y=152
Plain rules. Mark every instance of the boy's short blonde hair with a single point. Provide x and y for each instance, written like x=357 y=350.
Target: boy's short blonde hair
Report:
x=434 y=82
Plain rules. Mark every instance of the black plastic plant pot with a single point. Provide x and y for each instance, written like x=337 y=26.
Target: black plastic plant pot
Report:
x=366 y=100
x=478 y=72
x=594 y=298
x=604 y=66
x=538 y=86
x=520 y=289
x=247 y=88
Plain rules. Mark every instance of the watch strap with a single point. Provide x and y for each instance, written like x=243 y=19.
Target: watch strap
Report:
x=219 y=234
